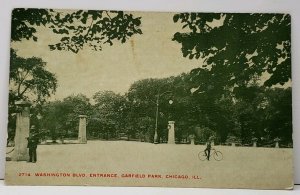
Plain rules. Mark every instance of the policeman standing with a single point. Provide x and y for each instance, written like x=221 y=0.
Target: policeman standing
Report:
x=32 y=145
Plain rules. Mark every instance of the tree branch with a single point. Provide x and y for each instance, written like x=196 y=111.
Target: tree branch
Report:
x=21 y=94
x=21 y=82
x=89 y=29
x=108 y=15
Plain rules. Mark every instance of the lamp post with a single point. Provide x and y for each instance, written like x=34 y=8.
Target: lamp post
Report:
x=156 y=117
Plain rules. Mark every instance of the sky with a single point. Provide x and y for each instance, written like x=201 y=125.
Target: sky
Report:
x=150 y=55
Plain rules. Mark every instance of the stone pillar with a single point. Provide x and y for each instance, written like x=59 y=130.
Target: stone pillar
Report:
x=161 y=140
x=276 y=140
x=82 y=129
x=171 y=135
x=254 y=140
x=192 y=139
x=20 y=152
x=254 y=144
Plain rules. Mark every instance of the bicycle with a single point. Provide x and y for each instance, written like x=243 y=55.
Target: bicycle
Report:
x=217 y=155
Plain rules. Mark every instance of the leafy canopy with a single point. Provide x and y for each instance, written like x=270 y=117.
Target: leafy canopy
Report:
x=77 y=28
x=29 y=79
x=238 y=47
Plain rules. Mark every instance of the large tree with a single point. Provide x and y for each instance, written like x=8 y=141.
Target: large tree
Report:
x=77 y=28
x=239 y=52
x=108 y=113
x=238 y=48
x=278 y=114
x=143 y=95
x=29 y=79
x=61 y=118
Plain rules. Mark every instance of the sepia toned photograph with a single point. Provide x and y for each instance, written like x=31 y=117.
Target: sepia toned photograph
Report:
x=117 y=98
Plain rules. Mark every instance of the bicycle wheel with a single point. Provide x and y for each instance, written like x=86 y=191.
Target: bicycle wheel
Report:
x=218 y=155
x=202 y=156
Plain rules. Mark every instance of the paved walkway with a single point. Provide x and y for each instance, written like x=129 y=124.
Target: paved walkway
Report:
x=145 y=164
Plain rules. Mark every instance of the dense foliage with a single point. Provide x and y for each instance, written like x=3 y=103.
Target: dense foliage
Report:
x=237 y=48
x=77 y=28
x=28 y=80
x=240 y=93
x=260 y=113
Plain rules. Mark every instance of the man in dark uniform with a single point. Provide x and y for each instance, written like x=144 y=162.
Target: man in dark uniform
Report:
x=207 y=150
x=32 y=145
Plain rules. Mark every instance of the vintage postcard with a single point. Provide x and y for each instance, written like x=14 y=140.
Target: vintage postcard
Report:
x=115 y=98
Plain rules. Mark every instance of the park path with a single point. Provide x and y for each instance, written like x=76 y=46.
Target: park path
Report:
x=145 y=164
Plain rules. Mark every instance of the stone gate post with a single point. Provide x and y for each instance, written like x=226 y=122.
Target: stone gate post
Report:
x=20 y=152
x=171 y=135
x=82 y=129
